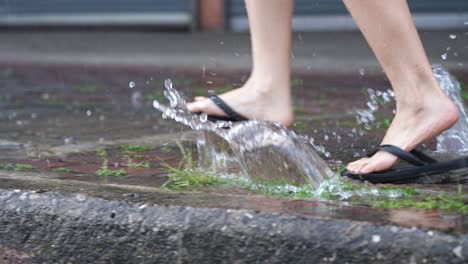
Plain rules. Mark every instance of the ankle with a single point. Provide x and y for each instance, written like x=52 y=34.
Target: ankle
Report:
x=266 y=83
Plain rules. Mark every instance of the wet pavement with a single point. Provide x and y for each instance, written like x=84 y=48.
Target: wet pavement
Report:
x=87 y=124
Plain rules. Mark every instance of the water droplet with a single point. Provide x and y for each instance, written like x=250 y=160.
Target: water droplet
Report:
x=222 y=42
x=88 y=113
x=168 y=82
x=452 y=36
x=68 y=140
x=444 y=56
x=362 y=71
x=376 y=238
x=466 y=23
x=458 y=252
x=132 y=84
x=237 y=54
x=156 y=104
x=203 y=117
x=81 y=197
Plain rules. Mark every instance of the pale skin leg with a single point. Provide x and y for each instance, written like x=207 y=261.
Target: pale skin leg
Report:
x=266 y=95
x=422 y=109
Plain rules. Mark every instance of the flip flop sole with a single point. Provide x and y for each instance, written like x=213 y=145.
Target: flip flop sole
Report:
x=410 y=174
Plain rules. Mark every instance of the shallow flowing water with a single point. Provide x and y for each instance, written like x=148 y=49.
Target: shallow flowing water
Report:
x=265 y=152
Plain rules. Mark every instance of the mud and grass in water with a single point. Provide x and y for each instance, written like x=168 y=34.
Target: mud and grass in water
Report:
x=187 y=176
x=62 y=170
x=17 y=166
x=104 y=171
x=133 y=148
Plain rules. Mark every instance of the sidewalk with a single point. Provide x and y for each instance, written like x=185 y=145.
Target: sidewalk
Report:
x=317 y=53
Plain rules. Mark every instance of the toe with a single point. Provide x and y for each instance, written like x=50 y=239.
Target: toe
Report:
x=368 y=168
x=361 y=165
x=355 y=165
x=196 y=107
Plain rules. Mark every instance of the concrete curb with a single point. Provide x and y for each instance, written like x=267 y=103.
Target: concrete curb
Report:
x=53 y=227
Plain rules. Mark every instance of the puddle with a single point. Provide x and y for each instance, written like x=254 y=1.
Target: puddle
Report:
x=95 y=105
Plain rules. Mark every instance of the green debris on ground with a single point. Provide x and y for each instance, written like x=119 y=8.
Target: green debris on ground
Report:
x=62 y=169
x=299 y=126
x=20 y=166
x=102 y=153
x=132 y=164
x=88 y=89
x=296 y=83
x=111 y=173
x=104 y=171
x=7 y=166
x=167 y=149
x=157 y=95
x=191 y=178
x=54 y=102
x=187 y=176
x=298 y=108
x=464 y=90
x=385 y=123
x=441 y=202
x=133 y=148
x=202 y=91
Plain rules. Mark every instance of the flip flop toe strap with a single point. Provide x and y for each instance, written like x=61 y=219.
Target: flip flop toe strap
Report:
x=413 y=157
x=226 y=108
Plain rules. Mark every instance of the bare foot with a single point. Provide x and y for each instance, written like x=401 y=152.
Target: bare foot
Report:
x=411 y=126
x=259 y=100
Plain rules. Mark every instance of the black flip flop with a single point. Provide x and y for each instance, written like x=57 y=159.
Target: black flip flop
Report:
x=423 y=165
x=232 y=115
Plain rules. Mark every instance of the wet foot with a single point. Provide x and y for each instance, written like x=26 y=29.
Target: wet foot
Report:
x=411 y=127
x=255 y=100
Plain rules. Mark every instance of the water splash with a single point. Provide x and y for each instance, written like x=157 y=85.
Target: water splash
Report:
x=453 y=141
x=266 y=152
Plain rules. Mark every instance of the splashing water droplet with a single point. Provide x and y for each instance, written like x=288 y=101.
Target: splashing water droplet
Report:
x=454 y=140
x=88 y=113
x=156 y=104
x=444 y=56
x=132 y=85
x=203 y=117
x=81 y=197
x=362 y=71
x=452 y=36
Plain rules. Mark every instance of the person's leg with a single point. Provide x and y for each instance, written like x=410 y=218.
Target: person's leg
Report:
x=266 y=95
x=422 y=109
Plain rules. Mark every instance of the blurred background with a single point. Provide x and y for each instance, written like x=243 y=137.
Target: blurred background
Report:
x=203 y=15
